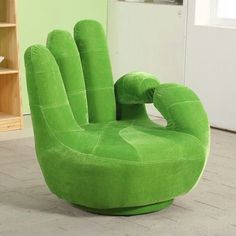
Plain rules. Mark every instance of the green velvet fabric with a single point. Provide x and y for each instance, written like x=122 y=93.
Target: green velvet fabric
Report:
x=96 y=146
x=68 y=59
x=91 y=41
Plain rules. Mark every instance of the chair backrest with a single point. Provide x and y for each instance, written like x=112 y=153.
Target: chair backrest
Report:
x=91 y=42
x=50 y=110
x=77 y=78
x=63 y=47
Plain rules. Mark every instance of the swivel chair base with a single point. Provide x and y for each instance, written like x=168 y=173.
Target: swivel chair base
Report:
x=128 y=211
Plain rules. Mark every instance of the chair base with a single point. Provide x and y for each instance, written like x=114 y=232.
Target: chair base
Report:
x=129 y=211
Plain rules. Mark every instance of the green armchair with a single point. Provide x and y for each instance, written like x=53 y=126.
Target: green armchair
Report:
x=95 y=144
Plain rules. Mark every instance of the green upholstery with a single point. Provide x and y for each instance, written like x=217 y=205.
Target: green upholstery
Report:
x=96 y=146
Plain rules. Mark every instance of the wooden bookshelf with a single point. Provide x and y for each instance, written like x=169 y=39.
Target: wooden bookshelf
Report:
x=10 y=100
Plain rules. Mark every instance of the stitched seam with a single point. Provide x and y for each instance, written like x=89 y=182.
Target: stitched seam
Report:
x=49 y=106
x=95 y=89
x=99 y=139
x=88 y=90
x=130 y=126
x=76 y=93
x=177 y=103
x=43 y=72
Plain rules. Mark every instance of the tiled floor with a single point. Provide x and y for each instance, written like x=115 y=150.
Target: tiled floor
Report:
x=28 y=208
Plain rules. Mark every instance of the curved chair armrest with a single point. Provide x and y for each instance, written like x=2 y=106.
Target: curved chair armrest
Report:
x=132 y=91
x=183 y=111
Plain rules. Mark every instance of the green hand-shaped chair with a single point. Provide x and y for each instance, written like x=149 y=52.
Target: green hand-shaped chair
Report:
x=95 y=143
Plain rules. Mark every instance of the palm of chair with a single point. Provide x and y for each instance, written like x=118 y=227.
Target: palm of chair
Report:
x=97 y=148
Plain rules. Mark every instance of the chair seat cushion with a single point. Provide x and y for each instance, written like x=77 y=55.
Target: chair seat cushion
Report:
x=121 y=164
x=137 y=141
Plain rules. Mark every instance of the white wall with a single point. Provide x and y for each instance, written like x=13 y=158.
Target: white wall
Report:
x=147 y=37
x=211 y=69
x=153 y=38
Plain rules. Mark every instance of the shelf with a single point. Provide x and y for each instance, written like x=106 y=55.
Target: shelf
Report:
x=7 y=11
x=9 y=122
x=6 y=25
x=4 y=116
x=10 y=99
x=7 y=71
